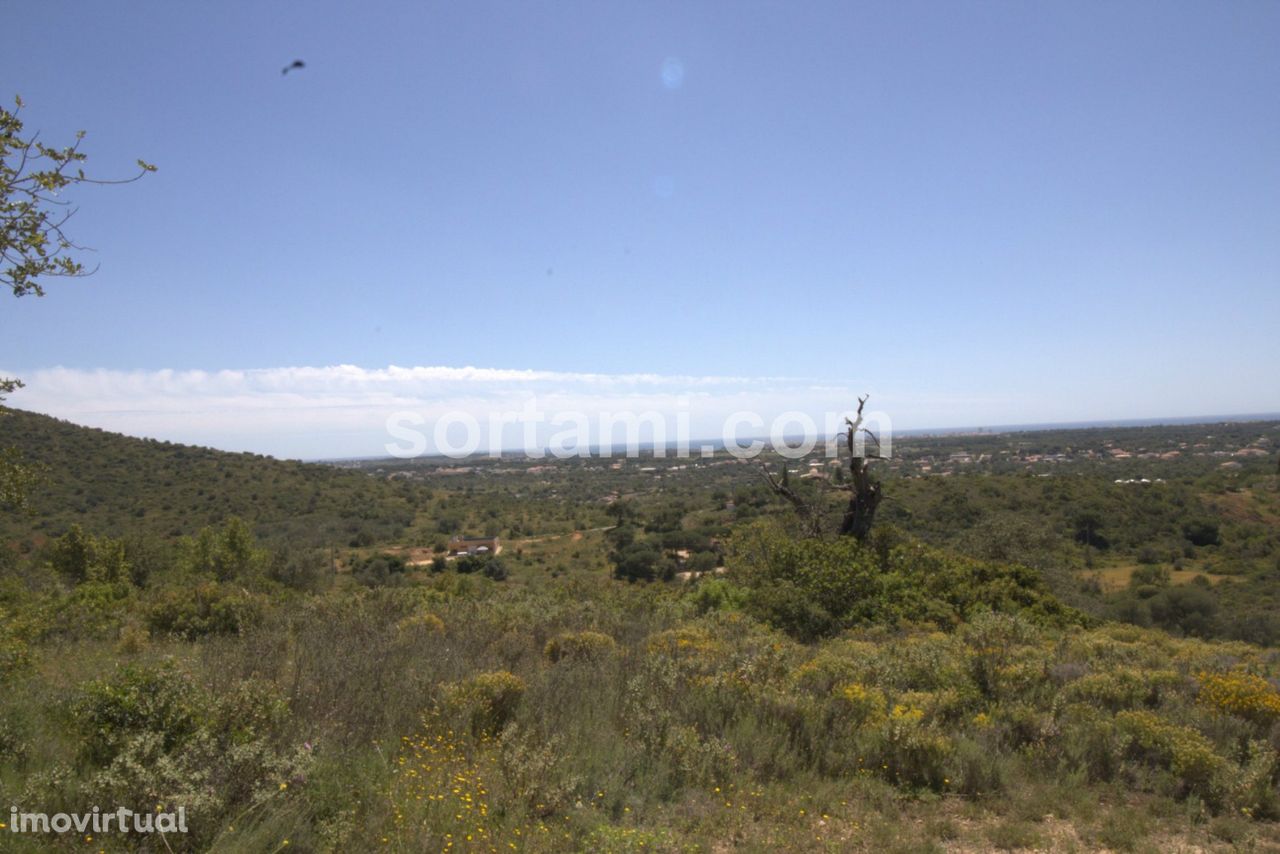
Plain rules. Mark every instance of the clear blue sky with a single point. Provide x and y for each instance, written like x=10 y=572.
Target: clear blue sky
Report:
x=1071 y=207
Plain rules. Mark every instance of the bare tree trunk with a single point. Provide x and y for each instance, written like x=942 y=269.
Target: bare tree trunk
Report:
x=864 y=491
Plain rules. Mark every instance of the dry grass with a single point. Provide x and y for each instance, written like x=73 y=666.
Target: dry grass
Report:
x=1113 y=578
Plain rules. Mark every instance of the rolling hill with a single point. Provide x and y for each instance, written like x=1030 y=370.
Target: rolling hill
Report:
x=110 y=483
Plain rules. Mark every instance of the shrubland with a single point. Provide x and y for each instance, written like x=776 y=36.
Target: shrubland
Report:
x=909 y=693
x=895 y=696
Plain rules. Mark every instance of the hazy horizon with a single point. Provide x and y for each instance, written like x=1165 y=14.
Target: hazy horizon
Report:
x=977 y=213
x=274 y=435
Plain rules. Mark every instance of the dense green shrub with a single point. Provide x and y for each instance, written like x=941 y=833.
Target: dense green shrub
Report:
x=151 y=735
x=206 y=608
x=495 y=570
x=717 y=594
x=813 y=587
x=223 y=553
x=379 y=570
x=1202 y=532
x=640 y=561
x=162 y=700
x=79 y=557
x=94 y=609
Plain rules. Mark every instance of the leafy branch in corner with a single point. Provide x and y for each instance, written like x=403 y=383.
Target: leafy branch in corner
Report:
x=34 y=244
x=33 y=216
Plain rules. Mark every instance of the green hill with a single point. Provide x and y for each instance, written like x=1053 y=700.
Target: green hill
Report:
x=112 y=484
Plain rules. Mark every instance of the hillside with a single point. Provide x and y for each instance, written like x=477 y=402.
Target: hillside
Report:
x=113 y=484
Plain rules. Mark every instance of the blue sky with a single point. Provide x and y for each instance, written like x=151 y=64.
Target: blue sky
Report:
x=982 y=213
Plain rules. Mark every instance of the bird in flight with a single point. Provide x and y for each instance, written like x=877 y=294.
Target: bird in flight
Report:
x=297 y=63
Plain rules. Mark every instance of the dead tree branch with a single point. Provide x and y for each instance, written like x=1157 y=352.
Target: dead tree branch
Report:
x=864 y=490
x=782 y=487
x=864 y=494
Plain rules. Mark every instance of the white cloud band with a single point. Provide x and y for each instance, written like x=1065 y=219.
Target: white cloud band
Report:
x=342 y=410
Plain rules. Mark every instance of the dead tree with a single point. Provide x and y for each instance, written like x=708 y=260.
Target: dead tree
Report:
x=864 y=490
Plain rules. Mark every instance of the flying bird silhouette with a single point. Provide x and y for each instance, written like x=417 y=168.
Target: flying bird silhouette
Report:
x=297 y=63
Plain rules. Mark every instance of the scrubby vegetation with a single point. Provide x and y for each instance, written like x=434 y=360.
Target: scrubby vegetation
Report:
x=780 y=692
x=107 y=482
x=596 y=716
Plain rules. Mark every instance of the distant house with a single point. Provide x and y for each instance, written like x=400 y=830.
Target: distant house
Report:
x=459 y=546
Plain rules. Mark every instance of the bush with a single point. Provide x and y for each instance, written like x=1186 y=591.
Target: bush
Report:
x=79 y=557
x=1149 y=574
x=151 y=735
x=910 y=751
x=685 y=642
x=495 y=570
x=1202 y=532
x=532 y=765
x=858 y=706
x=487 y=701
x=110 y=712
x=1090 y=744
x=206 y=609
x=837 y=663
x=1182 y=750
x=224 y=553
x=300 y=569
x=1124 y=688
x=1148 y=556
x=793 y=610
x=379 y=570
x=637 y=561
x=421 y=624
x=134 y=638
x=812 y=587
x=977 y=769
x=1187 y=610
x=580 y=646
x=1241 y=694
x=717 y=594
